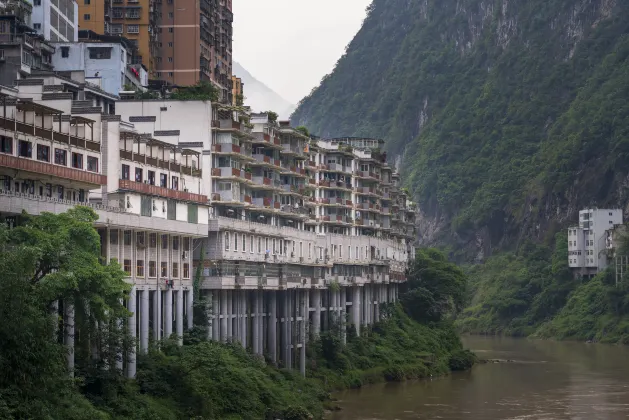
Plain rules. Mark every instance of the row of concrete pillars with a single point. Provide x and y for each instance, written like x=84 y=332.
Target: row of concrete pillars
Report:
x=276 y=324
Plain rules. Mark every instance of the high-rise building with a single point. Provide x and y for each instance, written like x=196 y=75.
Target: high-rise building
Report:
x=238 y=93
x=194 y=43
x=56 y=20
x=133 y=19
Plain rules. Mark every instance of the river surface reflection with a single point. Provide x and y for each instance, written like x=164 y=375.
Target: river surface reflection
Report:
x=546 y=381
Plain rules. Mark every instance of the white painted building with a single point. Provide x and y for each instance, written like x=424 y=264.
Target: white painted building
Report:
x=56 y=20
x=589 y=242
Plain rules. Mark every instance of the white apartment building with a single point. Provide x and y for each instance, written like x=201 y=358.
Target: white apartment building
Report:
x=589 y=242
x=293 y=235
x=56 y=20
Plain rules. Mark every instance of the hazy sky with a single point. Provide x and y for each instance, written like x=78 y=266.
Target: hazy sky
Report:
x=289 y=45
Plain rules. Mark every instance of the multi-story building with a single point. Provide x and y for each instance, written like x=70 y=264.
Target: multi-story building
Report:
x=589 y=243
x=238 y=91
x=56 y=20
x=105 y=59
x=21 y=49
x=278 y=224
x=133 y=19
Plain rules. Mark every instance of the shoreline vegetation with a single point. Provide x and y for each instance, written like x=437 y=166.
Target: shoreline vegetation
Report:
x=533 y=293
x=51 y=259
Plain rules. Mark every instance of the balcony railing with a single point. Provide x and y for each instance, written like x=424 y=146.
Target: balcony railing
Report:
x=50 y=169
x=48 y=134
x=148 y=189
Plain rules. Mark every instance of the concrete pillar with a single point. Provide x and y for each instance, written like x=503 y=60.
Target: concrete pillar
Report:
x=260 y=321
x=356 y=309
x=68 y=333
x=255 y=313
x=343 y=304
x=316 y=321
x=244 y=313
x=224 y=319
x=230 y=313
x=157 y=315
x=144 y=321
x=215 y=316
x=272 y=326
x=378 y=291
x=168 y=312
x=189 y=308
x=179 y=317
x=305 y=308
x=131 y=362
x=326 y=296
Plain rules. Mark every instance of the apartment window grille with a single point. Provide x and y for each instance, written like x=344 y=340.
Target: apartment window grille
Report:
x=139 y=264
x=6 y=145
x=133 y=29
x=113 y=236
x=25 y=149
x=43 y=153
x=77 y=160
x=92 y=164
x=126 y=171
x=152 y=269
x=116 y=29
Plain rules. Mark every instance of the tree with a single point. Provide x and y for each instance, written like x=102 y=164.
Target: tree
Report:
x=303 y=130
x=435 y=289
x=273 y=116
x=202 y=91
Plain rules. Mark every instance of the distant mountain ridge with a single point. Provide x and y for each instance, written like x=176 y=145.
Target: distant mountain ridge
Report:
x=259 y=96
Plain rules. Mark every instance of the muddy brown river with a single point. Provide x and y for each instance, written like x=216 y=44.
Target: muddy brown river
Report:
x=545 y=381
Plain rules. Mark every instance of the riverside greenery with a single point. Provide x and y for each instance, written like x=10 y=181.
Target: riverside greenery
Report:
x=56 y=258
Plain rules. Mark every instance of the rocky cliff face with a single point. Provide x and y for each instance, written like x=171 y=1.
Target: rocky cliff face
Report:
x=510 y=115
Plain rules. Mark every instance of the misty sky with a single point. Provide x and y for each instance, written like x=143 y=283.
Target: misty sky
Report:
x=289 y=45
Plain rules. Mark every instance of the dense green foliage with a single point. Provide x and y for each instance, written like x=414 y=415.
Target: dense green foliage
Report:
x=503 y=110
x=55 y=258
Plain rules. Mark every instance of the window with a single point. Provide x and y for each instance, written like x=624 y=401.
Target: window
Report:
x=170 y=30
x=170 y=15
x=113 y=237
x=193 y=213
x=186 y=270
x=86 y=1
x=175 y=183
x=164 y=269
x=170 y=59
x=138 y=175
x=226 y=241
x=235 y=242
x=125 y=171
x=133 y=29
x=259 y=245
x=146 y=206
x=92 y=164
x=171 y=210
x=6 y=144
x=37 y=26
x=151 y=177
x=170 y=44
x=266 y=245
x=86 y=16
x=152 y=240
x=37 y=2
x=170 y=74
x=139 y=265
x=127 y=267
x=127 y=237
x=25 y=149
x=244 y=243
x=163 y=180
x=251 y=244
x=164 y=241
x=152 y=269
x=176 y=243
x=43 y=153
x=77 y=160
x=175 y=269
x=610 y=213
x=274 y=247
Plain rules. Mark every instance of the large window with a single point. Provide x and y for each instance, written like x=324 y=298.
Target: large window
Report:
x=138 y=175
x=126 y=172
x=127 y=267
x=100 y=53
x=186 y=270
x=25 y=149
x=43 y=153
x=164 y=241
x=77 y=160
x=175 y=269
x=193 y=213
x=6 y=144
x=172 y=210
x=176 y=243
x=146 y=206
x=92 y=164
x=226 y=241
x=152 y=269
x=139 y=268
x=113 y=237
x=164 y=269
x=151 y=177
x=163 y=180
x=175 y=183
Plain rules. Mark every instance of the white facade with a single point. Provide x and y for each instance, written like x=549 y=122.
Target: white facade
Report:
x=589 y=242
x=56 y=20
x=104 y=64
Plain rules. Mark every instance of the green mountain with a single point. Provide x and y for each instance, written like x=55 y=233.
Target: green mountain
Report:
x=510 y=115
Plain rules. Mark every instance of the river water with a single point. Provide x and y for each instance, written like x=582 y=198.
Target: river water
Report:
x=545 y=381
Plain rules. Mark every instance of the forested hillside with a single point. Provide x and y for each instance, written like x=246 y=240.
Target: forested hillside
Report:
x=510 y=114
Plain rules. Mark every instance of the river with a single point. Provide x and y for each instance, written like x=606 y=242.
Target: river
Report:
x=546 y=380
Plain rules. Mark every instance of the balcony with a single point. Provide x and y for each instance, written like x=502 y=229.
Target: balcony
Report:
x=229 y=125
x=262 y=181
x=154 y=190
x=231 y=173
x=266 y=202
x=48 y=134
x=226 y=148
x=287 y=149
x=49 y=169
